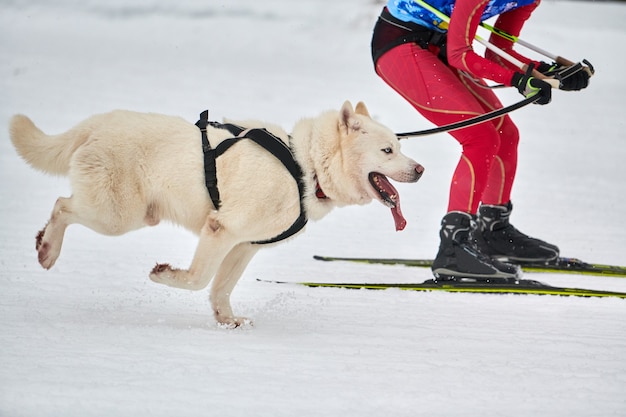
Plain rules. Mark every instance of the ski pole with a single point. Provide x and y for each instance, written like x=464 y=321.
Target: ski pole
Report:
x=553 y=82
x=556 y=58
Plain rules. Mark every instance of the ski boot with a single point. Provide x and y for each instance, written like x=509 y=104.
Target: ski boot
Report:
x=459 y=259
x=498 y=238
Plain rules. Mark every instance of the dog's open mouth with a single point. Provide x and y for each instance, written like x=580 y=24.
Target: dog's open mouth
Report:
x=388 y=196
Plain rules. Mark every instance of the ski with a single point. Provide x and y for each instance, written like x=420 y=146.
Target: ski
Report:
x=521 y=286
x=560 y=265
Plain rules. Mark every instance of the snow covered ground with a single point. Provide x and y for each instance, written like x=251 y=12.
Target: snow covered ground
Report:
x=95 y=337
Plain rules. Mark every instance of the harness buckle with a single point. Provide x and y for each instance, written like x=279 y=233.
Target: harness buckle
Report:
x=437 y=38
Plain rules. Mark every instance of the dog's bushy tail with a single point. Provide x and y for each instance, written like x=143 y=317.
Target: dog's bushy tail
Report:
x=48 y=153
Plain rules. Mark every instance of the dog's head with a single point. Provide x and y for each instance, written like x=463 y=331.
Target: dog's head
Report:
x=369 y=153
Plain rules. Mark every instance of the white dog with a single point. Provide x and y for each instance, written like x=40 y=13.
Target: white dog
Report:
x=129 y=170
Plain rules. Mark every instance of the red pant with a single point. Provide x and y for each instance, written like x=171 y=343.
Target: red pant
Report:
x=486 y=170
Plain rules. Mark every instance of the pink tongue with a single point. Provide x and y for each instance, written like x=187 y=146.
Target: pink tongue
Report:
x=398 y=217
x=385 y=188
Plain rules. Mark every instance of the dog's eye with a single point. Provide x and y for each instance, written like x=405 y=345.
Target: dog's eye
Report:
x=387 y=150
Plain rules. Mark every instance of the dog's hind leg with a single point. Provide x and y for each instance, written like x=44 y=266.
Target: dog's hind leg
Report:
x=225 y=280
x=50 y=238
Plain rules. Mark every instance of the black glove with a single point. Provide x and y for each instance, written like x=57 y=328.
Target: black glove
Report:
x=572 y=78
x=548 y=69
x=529 y=86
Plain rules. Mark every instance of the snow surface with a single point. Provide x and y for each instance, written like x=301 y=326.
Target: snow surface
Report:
x=95 y=337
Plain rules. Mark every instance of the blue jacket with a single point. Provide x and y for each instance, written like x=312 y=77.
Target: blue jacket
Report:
x=411 y=11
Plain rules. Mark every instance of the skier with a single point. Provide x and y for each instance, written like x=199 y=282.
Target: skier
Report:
x=433 y=66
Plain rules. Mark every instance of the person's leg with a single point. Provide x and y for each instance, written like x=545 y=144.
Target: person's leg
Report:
x=495 y=235
x=438 y=94
x=504 y=167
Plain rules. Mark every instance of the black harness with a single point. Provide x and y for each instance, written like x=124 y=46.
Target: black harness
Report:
x=270 y=143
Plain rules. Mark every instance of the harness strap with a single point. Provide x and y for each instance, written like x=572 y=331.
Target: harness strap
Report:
x=210 y=170
x=270 y=143
x=232 y=128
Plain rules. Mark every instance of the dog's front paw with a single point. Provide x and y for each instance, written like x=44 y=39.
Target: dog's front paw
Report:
x=162 y=274
x=177 y=278
x=233 y=322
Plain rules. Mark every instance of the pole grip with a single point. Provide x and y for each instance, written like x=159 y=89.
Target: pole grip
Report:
x=563 y=61
x=554 y=83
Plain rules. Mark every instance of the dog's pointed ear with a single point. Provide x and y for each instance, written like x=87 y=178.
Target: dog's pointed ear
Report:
x=346 y=112
x=347 y=120
x=362 y=109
